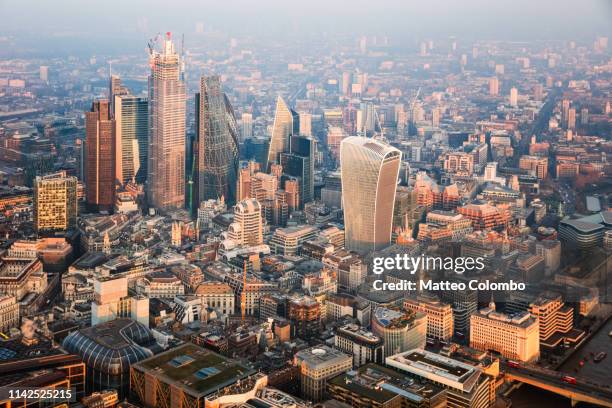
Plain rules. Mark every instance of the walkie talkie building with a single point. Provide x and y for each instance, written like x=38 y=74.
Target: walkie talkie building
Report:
x=369 y=177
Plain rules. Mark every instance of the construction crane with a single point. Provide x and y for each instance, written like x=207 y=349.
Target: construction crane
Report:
x=243 y=294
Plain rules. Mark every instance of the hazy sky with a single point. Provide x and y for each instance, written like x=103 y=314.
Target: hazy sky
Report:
x=135 y=20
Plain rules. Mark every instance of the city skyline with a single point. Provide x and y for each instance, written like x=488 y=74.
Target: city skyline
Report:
x=283 y=204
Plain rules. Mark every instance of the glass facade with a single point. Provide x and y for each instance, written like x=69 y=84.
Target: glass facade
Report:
x=131 y=116
x=216 y=149
x=286 y=123
x=108 y=350
x=369 y=170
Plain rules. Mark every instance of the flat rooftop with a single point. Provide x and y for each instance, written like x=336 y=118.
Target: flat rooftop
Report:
x=198 y=371
x=436 y=367
x=383 y=384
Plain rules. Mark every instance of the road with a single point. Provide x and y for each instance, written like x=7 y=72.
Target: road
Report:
x=554 y=378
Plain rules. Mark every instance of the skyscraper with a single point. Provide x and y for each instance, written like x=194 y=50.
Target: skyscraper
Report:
x=216 y=152
x=513 y=97
x=247 y=126
x=369 y=171
x=305 y=124
x=286 y=123
x=299 y=163
x=132 y=138
x=100 y=164
x=44 y=73
x=166 y=178
x=55 y=202
x=115 y=88
x=493 y=86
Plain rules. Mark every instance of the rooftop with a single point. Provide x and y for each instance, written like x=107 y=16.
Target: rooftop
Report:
x=198 y=371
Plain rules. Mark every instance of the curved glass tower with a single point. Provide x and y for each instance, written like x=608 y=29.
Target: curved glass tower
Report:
x=286 y=124
x=369 y=171
x=216 y=148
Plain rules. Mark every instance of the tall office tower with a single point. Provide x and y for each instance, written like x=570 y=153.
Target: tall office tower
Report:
x=216 y=153
x=305 y=124
x=369 y=171
x=100 y=165
x=55 y=202
x=166 y=178
x=513 y=97
x=335 y=135
x=247 y=126
x=494 y=86
x=584 y=116
x=247 y=228
x=299 y=163
x=131 y=138
x=435 y=117
x=367 y=122
x=538 y=92
x=347 y=81
x=565 y=106
x=115 y=88
x=286 y=124
x=44 y=73
x=571 y=119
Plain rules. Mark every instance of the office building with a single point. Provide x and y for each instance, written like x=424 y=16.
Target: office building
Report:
x=299 y=164
x=166 y=178
x=9 y=312
x=317 y=365
x=247 y=228
x=215 y=171
x=364 y=345
x=466 y=386
x=514 y=97
x=305 y=315
x=111 y=301
x=246 y=120
x=439 y=316
x=288 y=241
x=535 y=165
x=132 y=138
x=43 y=73
x=108 y=350
x=55 y=202
x=218 y=296
x=192 y=376
x=369 y=171
x=556 y=320
x=515 y=337
x=335 y=135
x=286 y=124
x=400 y=330
x=305 y=124
x=493 y=86
x=100 y=155
x=375 y=386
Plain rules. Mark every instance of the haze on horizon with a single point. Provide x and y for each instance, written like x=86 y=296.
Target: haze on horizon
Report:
x=72 y=24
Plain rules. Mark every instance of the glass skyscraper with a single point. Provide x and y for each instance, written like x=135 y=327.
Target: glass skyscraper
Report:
x=100 y=156
x=369 y=169
x=215 y=166
x=132 y=135
x=299 y=163
x=166 y=178
x=286 y=124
